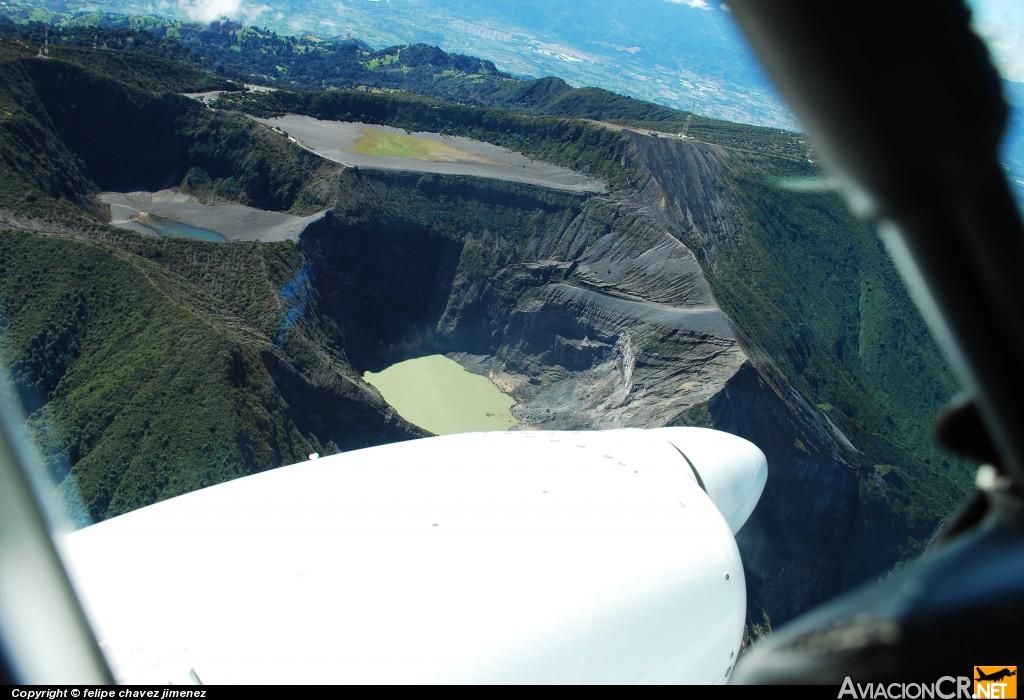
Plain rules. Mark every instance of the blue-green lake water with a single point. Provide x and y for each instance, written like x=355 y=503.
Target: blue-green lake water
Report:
x=163 y=226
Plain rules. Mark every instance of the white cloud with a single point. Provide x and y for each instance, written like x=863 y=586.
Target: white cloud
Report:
x=252 y=13
x=209 y=10
x=1001 y=24
x=699 y=4
x=1006 y=43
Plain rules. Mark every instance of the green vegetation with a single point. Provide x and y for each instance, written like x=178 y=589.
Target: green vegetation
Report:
x=453 y=206
x=154 y=366
x=156 y=73
x=157 y=366
x=377 y=62
x=230 y=158
x=261 y=56
x=380 y=143
x=109 y=343
x=135 y=136
x=813 y=291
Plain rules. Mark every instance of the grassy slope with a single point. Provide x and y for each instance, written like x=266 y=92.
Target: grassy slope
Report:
x=813 y=291
x=150 y=391
x=39 y=174
x=154 y=366
x=52 y=151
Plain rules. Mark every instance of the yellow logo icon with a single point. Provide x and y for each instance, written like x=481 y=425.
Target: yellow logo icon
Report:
x=995 y=682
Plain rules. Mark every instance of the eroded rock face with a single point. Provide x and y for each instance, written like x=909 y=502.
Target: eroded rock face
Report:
x=599 y=319
x=627 y=336
x=803 y=543
x=593 y=313
x=814 y=533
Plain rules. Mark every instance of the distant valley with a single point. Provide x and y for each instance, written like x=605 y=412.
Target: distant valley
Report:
x=684 y=55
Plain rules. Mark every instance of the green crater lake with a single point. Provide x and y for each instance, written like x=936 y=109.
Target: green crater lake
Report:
x=438 y=395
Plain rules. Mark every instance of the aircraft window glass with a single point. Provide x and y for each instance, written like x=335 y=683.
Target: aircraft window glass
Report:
x=999 y=23
x=646 y=267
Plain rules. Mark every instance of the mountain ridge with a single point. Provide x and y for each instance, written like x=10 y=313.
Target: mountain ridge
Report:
x=687 y=57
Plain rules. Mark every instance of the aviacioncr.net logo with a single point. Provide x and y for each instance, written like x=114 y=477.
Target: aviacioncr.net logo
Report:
x=946 y=688
x=995 y=682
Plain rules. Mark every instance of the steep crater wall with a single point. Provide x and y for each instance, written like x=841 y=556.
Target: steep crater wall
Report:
x=843 y=382
x=128 y=139
x=593 y=315
x=385 y=284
